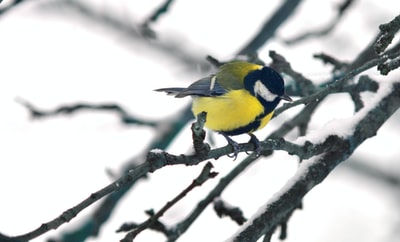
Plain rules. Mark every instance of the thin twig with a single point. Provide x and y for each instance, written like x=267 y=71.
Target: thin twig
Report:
x=161 y=10
x=125 y=117
x=337 y=86
x=205 y=175
x=323 y=31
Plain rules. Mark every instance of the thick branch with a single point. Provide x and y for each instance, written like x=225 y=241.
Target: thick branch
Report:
x=366 y=128
x=311 y=172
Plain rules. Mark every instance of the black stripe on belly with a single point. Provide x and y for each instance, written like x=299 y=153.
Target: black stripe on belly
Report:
x=245 y=129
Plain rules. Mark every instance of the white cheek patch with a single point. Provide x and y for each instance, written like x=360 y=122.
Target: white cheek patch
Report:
x=261 y=90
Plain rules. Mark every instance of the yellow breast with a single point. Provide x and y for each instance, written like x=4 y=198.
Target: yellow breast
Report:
x=233 y=110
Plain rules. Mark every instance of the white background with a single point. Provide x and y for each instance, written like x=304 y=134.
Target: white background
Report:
x=51 y=55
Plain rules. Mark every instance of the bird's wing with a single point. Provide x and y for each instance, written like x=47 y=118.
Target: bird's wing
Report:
x=229 y=77
x=205 y=87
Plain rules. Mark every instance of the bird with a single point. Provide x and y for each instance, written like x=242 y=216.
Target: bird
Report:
x=239 y=98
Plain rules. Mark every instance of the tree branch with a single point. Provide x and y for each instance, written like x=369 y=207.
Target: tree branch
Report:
x=327 y=150
x=161 y=10
x=171 y=48
x=341 y=9
x=4 y=9
x=377 y=45
x=223 y=209
x=125 y=117
x=205 y=174
x=314 y=170
x=386 y=35
x=338 y=86
x=270 y=26
x=102 y=212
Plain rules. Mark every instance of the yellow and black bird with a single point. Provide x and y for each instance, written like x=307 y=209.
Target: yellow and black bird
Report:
x=240 y=98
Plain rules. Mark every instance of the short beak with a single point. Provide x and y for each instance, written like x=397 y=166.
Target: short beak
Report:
x=286 y=98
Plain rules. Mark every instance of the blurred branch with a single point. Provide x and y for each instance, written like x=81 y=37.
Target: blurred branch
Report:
x=171 y=48
x=270 y=26
x=205 y=175
x=223 y=209
x=4 y=8
x=327 y=59
x=303 y=85
x=372 y=171
x=213 y=61
x=125 y=117
x=341 y=10
x=161 y=10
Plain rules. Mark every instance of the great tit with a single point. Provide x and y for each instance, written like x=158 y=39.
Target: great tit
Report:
x=240 y=98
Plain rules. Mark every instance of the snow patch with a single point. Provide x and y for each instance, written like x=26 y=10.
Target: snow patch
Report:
x=345 y=127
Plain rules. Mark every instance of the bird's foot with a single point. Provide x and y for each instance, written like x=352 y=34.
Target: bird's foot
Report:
x=257 y=144
x=235 y=146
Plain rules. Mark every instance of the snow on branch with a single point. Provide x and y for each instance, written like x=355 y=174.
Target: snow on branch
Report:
x=319 y=159
x=335 y=149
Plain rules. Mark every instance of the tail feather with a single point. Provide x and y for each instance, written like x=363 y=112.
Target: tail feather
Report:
x=175 y=91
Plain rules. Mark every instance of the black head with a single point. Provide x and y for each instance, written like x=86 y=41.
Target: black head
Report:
x=267 y=85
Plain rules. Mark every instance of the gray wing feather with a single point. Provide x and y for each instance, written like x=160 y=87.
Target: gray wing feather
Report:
x=205 y=87
x=171 y=90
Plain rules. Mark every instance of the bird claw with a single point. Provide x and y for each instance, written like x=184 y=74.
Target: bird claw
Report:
x=235 y=147
x=257 y=145
x=236 y=150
